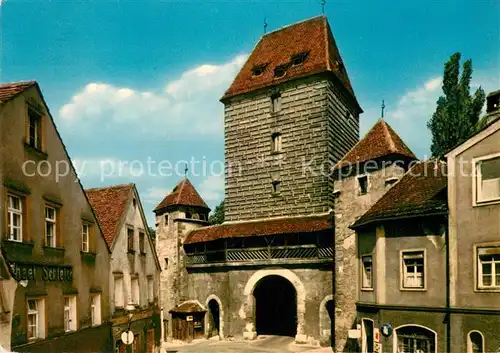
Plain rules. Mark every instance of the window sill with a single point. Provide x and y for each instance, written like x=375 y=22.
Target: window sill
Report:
x=487 y=290
x=17 y=250
x=367 y=289
x=35 y=151
x=486 y=203
x=143 y=253
x=53 y=251
x=413 y=289
x=88 y=257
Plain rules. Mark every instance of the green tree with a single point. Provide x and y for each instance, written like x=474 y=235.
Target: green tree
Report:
x=217 y=216
x=152 y=233
x=457 y=114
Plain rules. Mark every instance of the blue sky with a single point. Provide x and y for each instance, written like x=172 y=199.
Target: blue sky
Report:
x=128 y=80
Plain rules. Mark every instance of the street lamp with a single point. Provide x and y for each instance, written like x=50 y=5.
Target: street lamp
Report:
x=128 y=336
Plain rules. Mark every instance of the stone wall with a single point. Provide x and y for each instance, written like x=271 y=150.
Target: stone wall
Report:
x=316 y=128
x=349 y=206
x=234 y=288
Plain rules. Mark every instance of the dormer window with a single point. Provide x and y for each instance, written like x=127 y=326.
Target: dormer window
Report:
x=258 y=70
x=280 y=71
x=298 y=59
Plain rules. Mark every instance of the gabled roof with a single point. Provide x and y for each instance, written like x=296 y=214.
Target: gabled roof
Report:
x=183 y=194
x=109 y=204
x=379 y=142
x=189 y=307
x=421 y=191
x=10 y=90
x=289 y=225
x=312 y=36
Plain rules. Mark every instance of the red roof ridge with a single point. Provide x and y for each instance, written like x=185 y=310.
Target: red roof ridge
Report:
x=388 y=136
x=293 y=24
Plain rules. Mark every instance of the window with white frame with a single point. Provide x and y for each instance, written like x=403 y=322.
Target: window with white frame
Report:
x=119 y=300
x=475 y=342
x=487 y=179
x=70 y=321
x=413 y=269
x=276 y=142
x=50 y=226
x=95 y=309
x=367 y=273
x=488 y=267
x=151 y=295
x=36 y=318
x=15 y=217
x=34 y=129
x=85 y=237
x=135 y=291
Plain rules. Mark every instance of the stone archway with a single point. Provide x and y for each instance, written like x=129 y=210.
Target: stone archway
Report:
x=326 y=313
x=248 y=310
x=211 y=308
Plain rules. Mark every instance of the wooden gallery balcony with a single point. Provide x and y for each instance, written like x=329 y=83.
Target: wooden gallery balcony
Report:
x=276 y=249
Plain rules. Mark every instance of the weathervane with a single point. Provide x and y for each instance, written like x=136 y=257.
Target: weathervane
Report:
x=383 y=107
x=186 y=170
x=265 y=25
x=323 y=2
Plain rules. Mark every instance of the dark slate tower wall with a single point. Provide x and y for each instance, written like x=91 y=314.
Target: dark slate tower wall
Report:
x=318 y=126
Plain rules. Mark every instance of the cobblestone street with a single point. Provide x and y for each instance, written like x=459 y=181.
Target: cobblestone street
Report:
x=269 y=344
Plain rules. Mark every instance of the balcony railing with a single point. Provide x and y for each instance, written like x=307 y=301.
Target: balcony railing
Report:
x=261 y=254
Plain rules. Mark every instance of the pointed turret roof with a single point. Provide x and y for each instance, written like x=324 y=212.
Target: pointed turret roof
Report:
x=312 y=38
x=183 y=194
x=109 y=205
x=379 y=142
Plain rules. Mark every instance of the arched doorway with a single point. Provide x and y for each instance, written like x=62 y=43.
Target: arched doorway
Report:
x=214 y=318
x=275 y=307
x=414 y=338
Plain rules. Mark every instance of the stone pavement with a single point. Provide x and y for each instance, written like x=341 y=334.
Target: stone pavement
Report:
x=266 y=344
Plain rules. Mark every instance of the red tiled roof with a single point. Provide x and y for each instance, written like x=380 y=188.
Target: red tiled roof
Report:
x=183 y=194
x=289 y=225
x=10 y=90
x=109 y=204
x=312 y=36
x=380 y=141
x=421 y=191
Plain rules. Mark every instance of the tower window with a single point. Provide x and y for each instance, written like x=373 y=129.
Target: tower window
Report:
x=363 y=184
x=166 y=219
x=276 y=103
x=134 y=202
x=276 y=142
x=276 y=186
x=188 y=215
x=166 y=262
x=299 y=58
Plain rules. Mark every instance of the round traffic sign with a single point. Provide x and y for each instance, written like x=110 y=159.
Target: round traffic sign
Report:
x=127 y=337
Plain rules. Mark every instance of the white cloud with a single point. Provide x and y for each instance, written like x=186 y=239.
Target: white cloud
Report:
x=187 y=105
x=154 y=195
x=212 y=189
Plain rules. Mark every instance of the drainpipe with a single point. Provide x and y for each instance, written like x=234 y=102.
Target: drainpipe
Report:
x=448 y=294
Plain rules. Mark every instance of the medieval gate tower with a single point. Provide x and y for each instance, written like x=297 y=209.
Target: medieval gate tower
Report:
x=289 y=115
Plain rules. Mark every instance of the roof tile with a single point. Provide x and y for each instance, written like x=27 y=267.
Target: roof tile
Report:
x=109 y=204
x=275 y=226
x=10 y=90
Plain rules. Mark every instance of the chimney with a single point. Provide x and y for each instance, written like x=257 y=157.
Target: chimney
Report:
x=493 y=106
